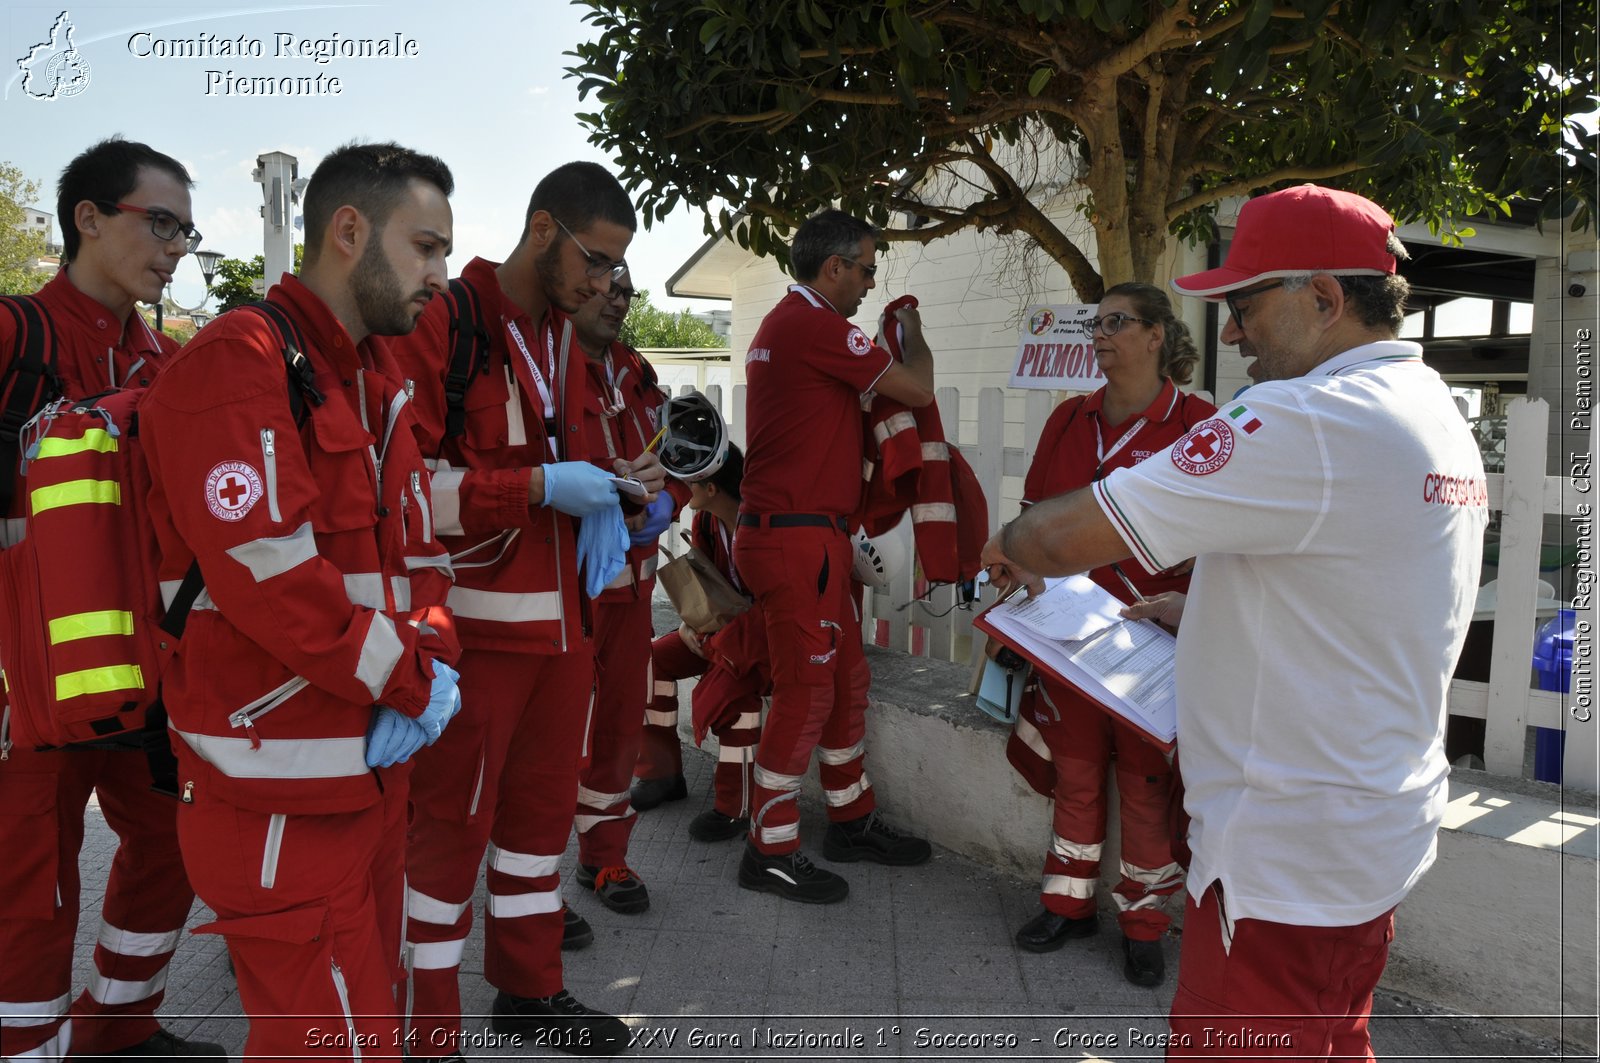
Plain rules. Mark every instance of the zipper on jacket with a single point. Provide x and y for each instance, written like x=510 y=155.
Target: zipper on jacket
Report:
x=269 y=852
x=477 y=790
x=269 y=459
x=340 y=988
x=405 y=524
x=422 y=506
x=5 y=733
x=247 y=716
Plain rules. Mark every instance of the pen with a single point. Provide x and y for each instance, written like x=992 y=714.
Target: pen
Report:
x=648 y=447
x=1128 y=583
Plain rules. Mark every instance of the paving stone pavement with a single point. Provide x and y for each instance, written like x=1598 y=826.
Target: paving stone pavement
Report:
x=918 y=964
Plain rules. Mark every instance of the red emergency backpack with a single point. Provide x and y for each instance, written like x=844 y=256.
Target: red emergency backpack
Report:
x=84 y=636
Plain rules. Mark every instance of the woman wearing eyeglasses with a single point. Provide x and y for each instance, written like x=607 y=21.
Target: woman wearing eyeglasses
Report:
x=1144 y=353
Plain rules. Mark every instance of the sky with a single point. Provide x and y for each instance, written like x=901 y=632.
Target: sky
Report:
x=485 y=89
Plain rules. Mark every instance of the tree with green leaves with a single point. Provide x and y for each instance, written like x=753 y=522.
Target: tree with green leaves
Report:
x=654 y=327
x=934 y=116
x=235 y=280
x=19 y=247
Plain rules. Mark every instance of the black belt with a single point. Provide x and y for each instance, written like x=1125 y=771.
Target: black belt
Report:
x=791 y=520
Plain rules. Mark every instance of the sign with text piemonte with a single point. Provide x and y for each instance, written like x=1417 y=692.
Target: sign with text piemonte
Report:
x=1053 y=351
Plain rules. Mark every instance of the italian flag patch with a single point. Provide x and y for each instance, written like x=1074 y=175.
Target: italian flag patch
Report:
x=1244 y=419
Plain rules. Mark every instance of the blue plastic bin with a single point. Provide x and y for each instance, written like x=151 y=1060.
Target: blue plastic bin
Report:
x=1552 y=664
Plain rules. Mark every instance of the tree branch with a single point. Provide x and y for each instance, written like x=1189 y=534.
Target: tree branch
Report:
x=1249 y=184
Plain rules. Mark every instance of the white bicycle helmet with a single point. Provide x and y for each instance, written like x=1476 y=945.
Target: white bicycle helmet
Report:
x=880 y=558
x=695 y=443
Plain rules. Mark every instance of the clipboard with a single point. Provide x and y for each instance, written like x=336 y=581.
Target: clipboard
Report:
x=1164 y=737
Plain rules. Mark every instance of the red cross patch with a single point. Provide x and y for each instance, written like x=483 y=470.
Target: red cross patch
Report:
x=1206 y=448
x=232 y=488
x=857 y=342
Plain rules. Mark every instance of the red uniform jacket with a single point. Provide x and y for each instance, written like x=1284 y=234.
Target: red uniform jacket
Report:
x=619 y=420
x=910 y=466
x=325 y=583
x=517 y=586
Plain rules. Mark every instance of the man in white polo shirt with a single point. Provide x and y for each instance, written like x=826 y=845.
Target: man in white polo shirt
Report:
x=1337 y=511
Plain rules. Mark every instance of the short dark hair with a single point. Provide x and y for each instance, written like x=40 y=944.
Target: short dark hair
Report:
x=728 y=478
x=579 y=194
x=105 y=173
x=823 y=235
x=1178 y=352
x=373 y=178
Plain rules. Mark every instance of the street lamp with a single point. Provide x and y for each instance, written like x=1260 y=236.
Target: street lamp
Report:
x=208 y=261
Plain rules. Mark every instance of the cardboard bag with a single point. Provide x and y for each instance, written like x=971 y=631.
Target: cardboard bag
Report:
x=703 y=596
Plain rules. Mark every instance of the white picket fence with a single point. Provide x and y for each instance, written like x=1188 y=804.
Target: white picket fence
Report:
x=1523 y=495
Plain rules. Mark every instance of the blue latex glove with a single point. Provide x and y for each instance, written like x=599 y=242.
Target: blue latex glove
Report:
x=602 y=549
x=392 y=737
x=657 y=515
x=578 y=488
x=444 y=701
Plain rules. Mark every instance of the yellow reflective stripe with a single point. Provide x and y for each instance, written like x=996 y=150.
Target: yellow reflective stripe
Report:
x=99 y=681
x=90 y=625
x=96 y=439
x=75 y=493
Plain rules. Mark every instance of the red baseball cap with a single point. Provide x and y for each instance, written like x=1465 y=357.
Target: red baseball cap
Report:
x=1307 y=229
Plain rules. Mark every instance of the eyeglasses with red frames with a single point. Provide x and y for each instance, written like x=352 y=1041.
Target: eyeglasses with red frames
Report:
x=164 y=225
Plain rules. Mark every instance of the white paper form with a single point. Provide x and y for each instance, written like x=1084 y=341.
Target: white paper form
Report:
x=1068 y=609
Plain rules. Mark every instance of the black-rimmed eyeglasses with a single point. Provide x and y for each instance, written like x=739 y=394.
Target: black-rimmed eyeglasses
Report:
x=164 y=225
x=599 y=265
x=1112 y=323
x=1233 y=299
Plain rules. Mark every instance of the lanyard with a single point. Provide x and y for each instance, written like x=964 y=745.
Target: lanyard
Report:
x=533 y=367
x=1102 y=455
x=616 y=404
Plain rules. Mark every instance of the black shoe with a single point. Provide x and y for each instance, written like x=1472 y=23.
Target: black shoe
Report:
x=870 y=838
x=713 y=826
x=1048 y=931
x=164 y=1043
x=561 y=1023
x=1144 y=964
x=576 y=933
x=617 y=887
x=790 y=876
x=646 y=794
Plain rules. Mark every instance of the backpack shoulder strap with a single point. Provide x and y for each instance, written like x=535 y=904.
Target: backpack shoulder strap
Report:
x=303 y=393
x=469 y=353
x=31 y=381
x=302 y=389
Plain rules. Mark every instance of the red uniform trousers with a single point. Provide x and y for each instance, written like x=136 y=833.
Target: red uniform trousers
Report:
x=506 y=772
x=1275 y=990
x=1081 y=743
x=801 y=578
x=42 y=800
x=604 y=818
x=660 y=751
x=729 y=706
x=310 y=906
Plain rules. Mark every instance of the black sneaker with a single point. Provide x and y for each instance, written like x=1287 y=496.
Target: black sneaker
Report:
x=870 y=838
x=790 y=876
x=561 y=1023
x=1143 y=963
x=617 y=887
x=165 y=1043
x=576 y=933
x=646 y=794
x=713 y=826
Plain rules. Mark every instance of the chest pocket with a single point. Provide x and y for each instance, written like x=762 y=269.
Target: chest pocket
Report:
x=341 y=463
x=492 y=422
